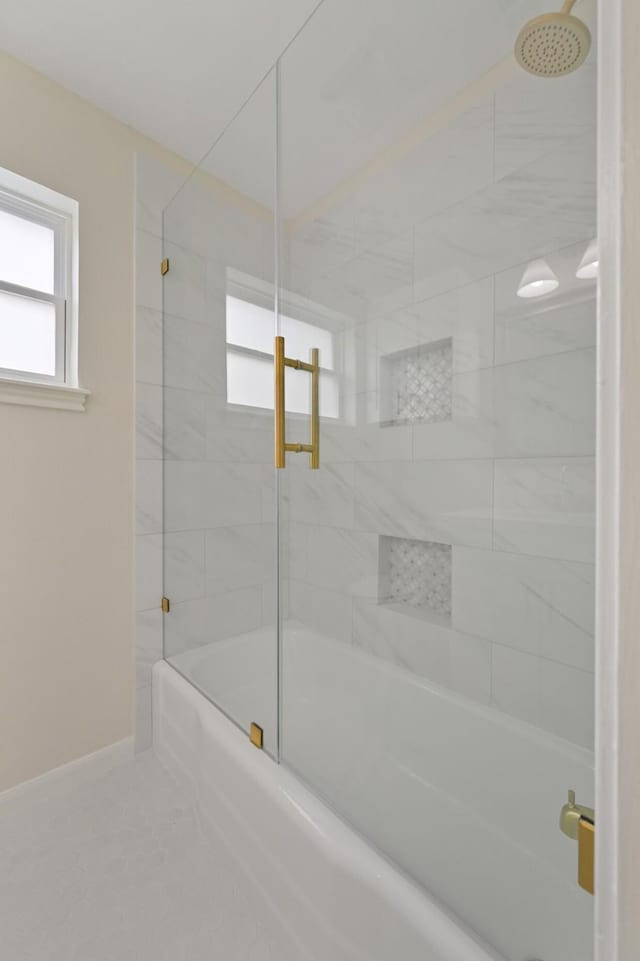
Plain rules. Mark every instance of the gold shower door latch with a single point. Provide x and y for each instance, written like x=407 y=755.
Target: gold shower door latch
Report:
x=586 y=855
x=313 y=367
x=256 y=735
x=578 y=823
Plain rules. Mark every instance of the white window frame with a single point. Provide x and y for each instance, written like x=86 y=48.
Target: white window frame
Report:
x=31 y=201
x=252 y=291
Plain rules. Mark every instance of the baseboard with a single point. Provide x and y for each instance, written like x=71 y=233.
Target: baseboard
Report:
x=74 y=772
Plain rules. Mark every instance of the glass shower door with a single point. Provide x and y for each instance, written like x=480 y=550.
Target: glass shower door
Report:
x=437 y=616
x=219 y=480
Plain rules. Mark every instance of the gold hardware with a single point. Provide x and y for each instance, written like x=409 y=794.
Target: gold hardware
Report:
x=164 y=266
x=298 y=364
x=578 y=823
x=165 y=605
x=313 y=367
x=278 y=366
x=570 y=816
x=314 y=460
x=256 y=735
x=586 y=855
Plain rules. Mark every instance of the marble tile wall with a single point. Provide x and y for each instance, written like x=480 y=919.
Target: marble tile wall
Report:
x=219 y=493
x=508 y=480
x=429 y=251
x=205 y=528
x=509 y=483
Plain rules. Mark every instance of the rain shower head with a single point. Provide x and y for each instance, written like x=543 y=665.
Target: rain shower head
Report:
x=554 y=44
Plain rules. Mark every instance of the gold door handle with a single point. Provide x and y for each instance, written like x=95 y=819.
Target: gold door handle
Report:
x=578 y=823
x=281 y=361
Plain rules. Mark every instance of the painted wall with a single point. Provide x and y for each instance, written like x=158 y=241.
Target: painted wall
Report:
x=66 y=512
x=629 y=661
x=618 y=653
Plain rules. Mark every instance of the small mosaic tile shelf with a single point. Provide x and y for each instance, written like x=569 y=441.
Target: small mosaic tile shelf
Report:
x=416 y=574
x=417 y=383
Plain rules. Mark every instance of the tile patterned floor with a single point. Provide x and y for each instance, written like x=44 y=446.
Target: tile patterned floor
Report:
x=118 y=869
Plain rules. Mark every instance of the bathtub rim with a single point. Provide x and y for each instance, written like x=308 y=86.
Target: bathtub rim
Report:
x=351 y=856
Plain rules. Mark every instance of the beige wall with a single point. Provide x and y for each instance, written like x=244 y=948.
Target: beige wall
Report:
x=618 y=750
x=629 y=665
x=66 y=504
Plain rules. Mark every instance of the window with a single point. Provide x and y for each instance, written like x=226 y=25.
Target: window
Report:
x=250 y=332
x=38 y=291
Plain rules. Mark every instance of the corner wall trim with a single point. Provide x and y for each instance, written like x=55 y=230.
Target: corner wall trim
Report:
x=608 y=718
x=75 y=772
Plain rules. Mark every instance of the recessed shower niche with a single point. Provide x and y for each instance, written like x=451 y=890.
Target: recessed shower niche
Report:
x=415 y=575
x=415 y=384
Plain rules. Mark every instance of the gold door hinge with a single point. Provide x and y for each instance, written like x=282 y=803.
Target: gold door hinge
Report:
x=165 y=605
x=256 y=735
x=164 y=266
x=578 y=823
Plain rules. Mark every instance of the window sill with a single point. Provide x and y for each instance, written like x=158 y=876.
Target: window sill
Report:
x=32 y=394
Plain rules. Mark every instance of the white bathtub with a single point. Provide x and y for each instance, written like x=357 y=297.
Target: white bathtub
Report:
x=463 y=797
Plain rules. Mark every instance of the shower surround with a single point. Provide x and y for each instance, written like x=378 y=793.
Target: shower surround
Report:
x=506 y=480
x=446 y=543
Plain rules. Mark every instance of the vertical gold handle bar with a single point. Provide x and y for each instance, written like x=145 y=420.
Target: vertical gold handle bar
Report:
x=278 y=366
x=281 y=446
x=314 y=457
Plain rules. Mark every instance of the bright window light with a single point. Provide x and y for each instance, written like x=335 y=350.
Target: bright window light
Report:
x=26 y=253
x=27 y=334
x=38 y=283
x=252 y=326
x=250 y=334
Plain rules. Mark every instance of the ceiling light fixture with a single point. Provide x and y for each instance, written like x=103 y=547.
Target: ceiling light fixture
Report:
x=538 y=280
x=588 y=269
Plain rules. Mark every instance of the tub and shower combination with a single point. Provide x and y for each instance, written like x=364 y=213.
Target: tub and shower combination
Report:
x=379 y=382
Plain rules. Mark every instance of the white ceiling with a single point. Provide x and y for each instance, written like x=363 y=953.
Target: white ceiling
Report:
x=359 y=77
x=362 y=75
x=177 y=72
x=366 y=76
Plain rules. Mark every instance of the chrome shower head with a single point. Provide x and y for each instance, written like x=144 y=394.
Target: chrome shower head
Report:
x=554 y=44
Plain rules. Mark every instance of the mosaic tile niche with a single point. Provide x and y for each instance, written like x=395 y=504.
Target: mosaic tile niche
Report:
x=416 y=384
x=416 y=574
